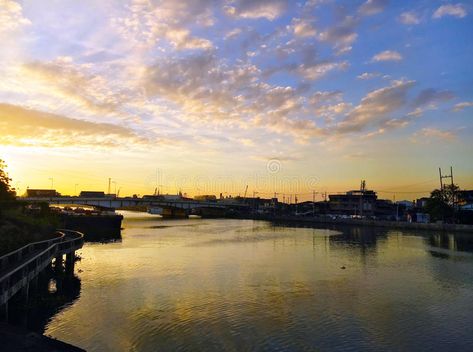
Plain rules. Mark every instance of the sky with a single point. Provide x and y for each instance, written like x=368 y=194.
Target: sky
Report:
x=207 y=97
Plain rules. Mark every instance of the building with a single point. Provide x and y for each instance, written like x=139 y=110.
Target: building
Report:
x=362 y=203
x=92 y=194
x=422 y=202
x=206 y=198
x=40 y=193
x=465 y=197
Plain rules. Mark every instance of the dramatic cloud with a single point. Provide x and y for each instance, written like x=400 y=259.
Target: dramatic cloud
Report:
x=376 y=107
x=249 y=73
x=457 y=10
x=387 y=55
x=21 y=126
x=460 y=106
x=409 y=18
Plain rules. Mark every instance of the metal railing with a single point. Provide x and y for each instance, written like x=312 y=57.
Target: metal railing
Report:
x=14 y=277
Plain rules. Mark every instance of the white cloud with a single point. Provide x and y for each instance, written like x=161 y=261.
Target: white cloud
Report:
x=428 y=133
x=409 y=18
x=254 y=9
x=387 y=55
x=182 y=39
x=11 y=16
x=146 y=24
x=342 y=35
x=368 y=75
x=317 y=70
x=460 y=106
x=372 y=7
x=233 y=33
x=303 y=28
x=457 y=10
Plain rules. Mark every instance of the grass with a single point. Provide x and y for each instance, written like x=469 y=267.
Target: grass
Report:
x=18 y=226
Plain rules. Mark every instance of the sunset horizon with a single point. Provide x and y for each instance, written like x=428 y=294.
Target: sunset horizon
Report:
x=209 y=94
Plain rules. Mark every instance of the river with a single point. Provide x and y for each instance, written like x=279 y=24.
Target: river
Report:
x=242 y=285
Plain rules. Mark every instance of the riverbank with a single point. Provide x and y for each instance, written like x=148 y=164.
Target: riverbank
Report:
x=18 y=227
x=324 y=221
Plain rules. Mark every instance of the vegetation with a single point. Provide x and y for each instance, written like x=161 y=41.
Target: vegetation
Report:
x=6 y=192
x=441 y=204
x=21 y=224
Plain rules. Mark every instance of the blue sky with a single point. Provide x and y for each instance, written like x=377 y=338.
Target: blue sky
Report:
x=333 y=91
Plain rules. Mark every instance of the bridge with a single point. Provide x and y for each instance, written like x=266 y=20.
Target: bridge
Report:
x=127 y=202
x=20 y=267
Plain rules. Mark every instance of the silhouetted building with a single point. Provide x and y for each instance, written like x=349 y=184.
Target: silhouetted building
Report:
x=92 y=194
x=206 y=198
x=465 y=197
x=362 y=202
x=40 y=193
x=422 y=202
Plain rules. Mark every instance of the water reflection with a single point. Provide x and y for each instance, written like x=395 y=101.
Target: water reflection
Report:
x=54 y=291
x=246 y=285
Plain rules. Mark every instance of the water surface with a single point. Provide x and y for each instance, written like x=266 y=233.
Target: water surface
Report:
x=238 y=285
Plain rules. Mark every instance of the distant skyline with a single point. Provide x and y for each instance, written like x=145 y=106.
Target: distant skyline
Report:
x=209 y=96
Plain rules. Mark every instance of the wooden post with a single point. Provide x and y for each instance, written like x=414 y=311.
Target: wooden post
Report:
x=70 y=263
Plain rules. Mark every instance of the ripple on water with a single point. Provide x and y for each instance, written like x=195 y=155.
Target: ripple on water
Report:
x=224 y=285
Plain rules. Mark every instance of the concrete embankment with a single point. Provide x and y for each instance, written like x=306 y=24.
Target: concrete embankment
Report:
x=14 y=339
x=94 y=227
x=320 y=221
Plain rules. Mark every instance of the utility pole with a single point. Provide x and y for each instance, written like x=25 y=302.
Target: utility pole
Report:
x=443 y=189
x=313 y=203
x=362 y=191
x=109 y=184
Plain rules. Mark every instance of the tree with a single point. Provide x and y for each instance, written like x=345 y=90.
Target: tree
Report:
x=7 y=193
x=441 y=204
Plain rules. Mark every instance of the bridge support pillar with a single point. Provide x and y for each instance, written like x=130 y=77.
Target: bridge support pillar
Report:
x=70 y=262
x=58 y=263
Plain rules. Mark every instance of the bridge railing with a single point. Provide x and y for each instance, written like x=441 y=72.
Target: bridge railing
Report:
x=13 y=280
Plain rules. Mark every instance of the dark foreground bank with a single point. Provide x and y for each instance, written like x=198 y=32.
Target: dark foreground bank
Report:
x=15 y=339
